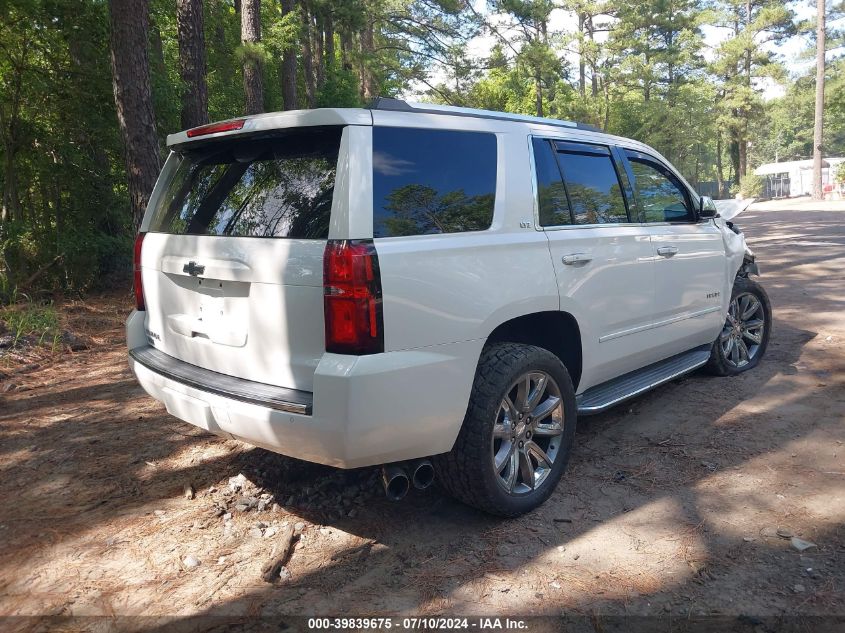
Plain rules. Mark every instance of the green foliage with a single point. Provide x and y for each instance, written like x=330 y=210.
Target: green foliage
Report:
x=751 y=186
x=28 y=319
x=839 y=174
x=340 y=90
x=60 y=136
x=636 y=69
x=76 y=258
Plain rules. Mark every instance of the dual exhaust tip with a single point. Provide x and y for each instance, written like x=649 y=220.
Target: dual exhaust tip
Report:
x=397 y=478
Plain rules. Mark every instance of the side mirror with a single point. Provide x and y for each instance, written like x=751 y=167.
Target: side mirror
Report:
x=707 y=209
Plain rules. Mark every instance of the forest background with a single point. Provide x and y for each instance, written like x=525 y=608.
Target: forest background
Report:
x=89 y=90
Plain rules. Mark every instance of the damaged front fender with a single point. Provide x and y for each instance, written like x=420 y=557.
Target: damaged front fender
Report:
x=749 y=265
x=741 y=259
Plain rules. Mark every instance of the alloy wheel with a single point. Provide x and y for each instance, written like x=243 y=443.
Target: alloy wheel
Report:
x=743 y=332
x=527 y=433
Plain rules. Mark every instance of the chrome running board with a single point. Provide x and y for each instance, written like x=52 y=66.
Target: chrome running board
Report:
x=601 y=397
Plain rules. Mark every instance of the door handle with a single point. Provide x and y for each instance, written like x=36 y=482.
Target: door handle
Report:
x=667 y=251
x=576 y=259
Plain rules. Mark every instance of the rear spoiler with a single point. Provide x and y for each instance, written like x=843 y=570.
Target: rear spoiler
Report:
x=271 y=121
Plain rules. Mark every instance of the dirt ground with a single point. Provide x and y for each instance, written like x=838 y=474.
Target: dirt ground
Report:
x=682 y=501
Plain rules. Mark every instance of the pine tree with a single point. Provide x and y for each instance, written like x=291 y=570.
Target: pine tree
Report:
x=133 y=100
x=192 y=68
x=818 y=123
x=251 y=50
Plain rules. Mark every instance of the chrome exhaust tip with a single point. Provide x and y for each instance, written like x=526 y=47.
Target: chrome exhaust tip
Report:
x=395 y=481
x=423 y=474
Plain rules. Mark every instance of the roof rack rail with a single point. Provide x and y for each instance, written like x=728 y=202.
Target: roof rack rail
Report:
x=400 y=105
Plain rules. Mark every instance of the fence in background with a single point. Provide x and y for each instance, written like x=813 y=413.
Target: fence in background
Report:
x=776 y=186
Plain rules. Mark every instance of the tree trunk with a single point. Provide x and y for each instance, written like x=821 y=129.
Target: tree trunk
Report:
x=360 y=57
x=320 y=70
x=189 y=24
x=538 y=77
x=818 y=127
x=308 y=57
x=10 y=209
x=129 y=20
x=11 y=203
x=720 y=179
x=289 y=67
x=606 y=91
x=250 y=36
x=594 y=80
x=745 y=113
x=157 y=64
x=330 y=55
x=368 y=80
x=696 y=172
x=733 y=150
x=345 y=48
x=582 y=65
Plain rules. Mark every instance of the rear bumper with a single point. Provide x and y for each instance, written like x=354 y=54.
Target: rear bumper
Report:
x=364 y=410
x=278 y=398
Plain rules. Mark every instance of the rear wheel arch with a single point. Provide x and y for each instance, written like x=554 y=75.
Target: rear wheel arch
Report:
x=555 y=331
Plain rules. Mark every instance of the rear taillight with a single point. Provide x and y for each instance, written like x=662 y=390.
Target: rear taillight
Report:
x=136 y=266
x=352 y=298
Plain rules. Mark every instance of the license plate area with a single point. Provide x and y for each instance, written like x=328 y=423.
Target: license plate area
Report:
x=210 y=310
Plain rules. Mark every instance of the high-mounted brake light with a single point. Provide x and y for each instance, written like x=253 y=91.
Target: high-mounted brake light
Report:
x=225 y=126
x=352 y=298
x=136 y=267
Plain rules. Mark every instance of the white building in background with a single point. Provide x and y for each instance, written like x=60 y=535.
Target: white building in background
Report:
x=795 y=177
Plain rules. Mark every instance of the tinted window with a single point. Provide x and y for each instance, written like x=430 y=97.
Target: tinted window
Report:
x=271 y=187
x=551 y=196
x=661 y=196
x=591 y=181
x=432 y=181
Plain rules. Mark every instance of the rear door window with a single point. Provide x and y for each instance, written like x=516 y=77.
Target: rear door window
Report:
x=551 y=195
x=429 y=181
x=592 y=183
x=279 y=186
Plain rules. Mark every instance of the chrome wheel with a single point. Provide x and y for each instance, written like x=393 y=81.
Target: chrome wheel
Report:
x=527 y=433
x=743 y=332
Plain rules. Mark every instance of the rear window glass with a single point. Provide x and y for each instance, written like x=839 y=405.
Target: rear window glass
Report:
x=432 y=181
x=258 y=187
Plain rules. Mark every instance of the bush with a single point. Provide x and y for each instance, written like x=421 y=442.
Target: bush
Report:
x=27 y=320
x=77 y=259
x=751 y=186
x=839 y=174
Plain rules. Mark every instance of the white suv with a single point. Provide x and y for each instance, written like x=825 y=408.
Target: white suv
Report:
x=380 y=286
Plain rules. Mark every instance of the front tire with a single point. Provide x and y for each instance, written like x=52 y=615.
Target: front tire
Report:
x=745 y=335
x=517 y=435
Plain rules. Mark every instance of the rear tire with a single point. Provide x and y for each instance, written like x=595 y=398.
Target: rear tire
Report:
x=517 y=435
x=745 y=335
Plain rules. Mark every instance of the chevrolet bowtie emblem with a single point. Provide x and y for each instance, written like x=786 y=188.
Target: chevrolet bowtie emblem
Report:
x=193 y=269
